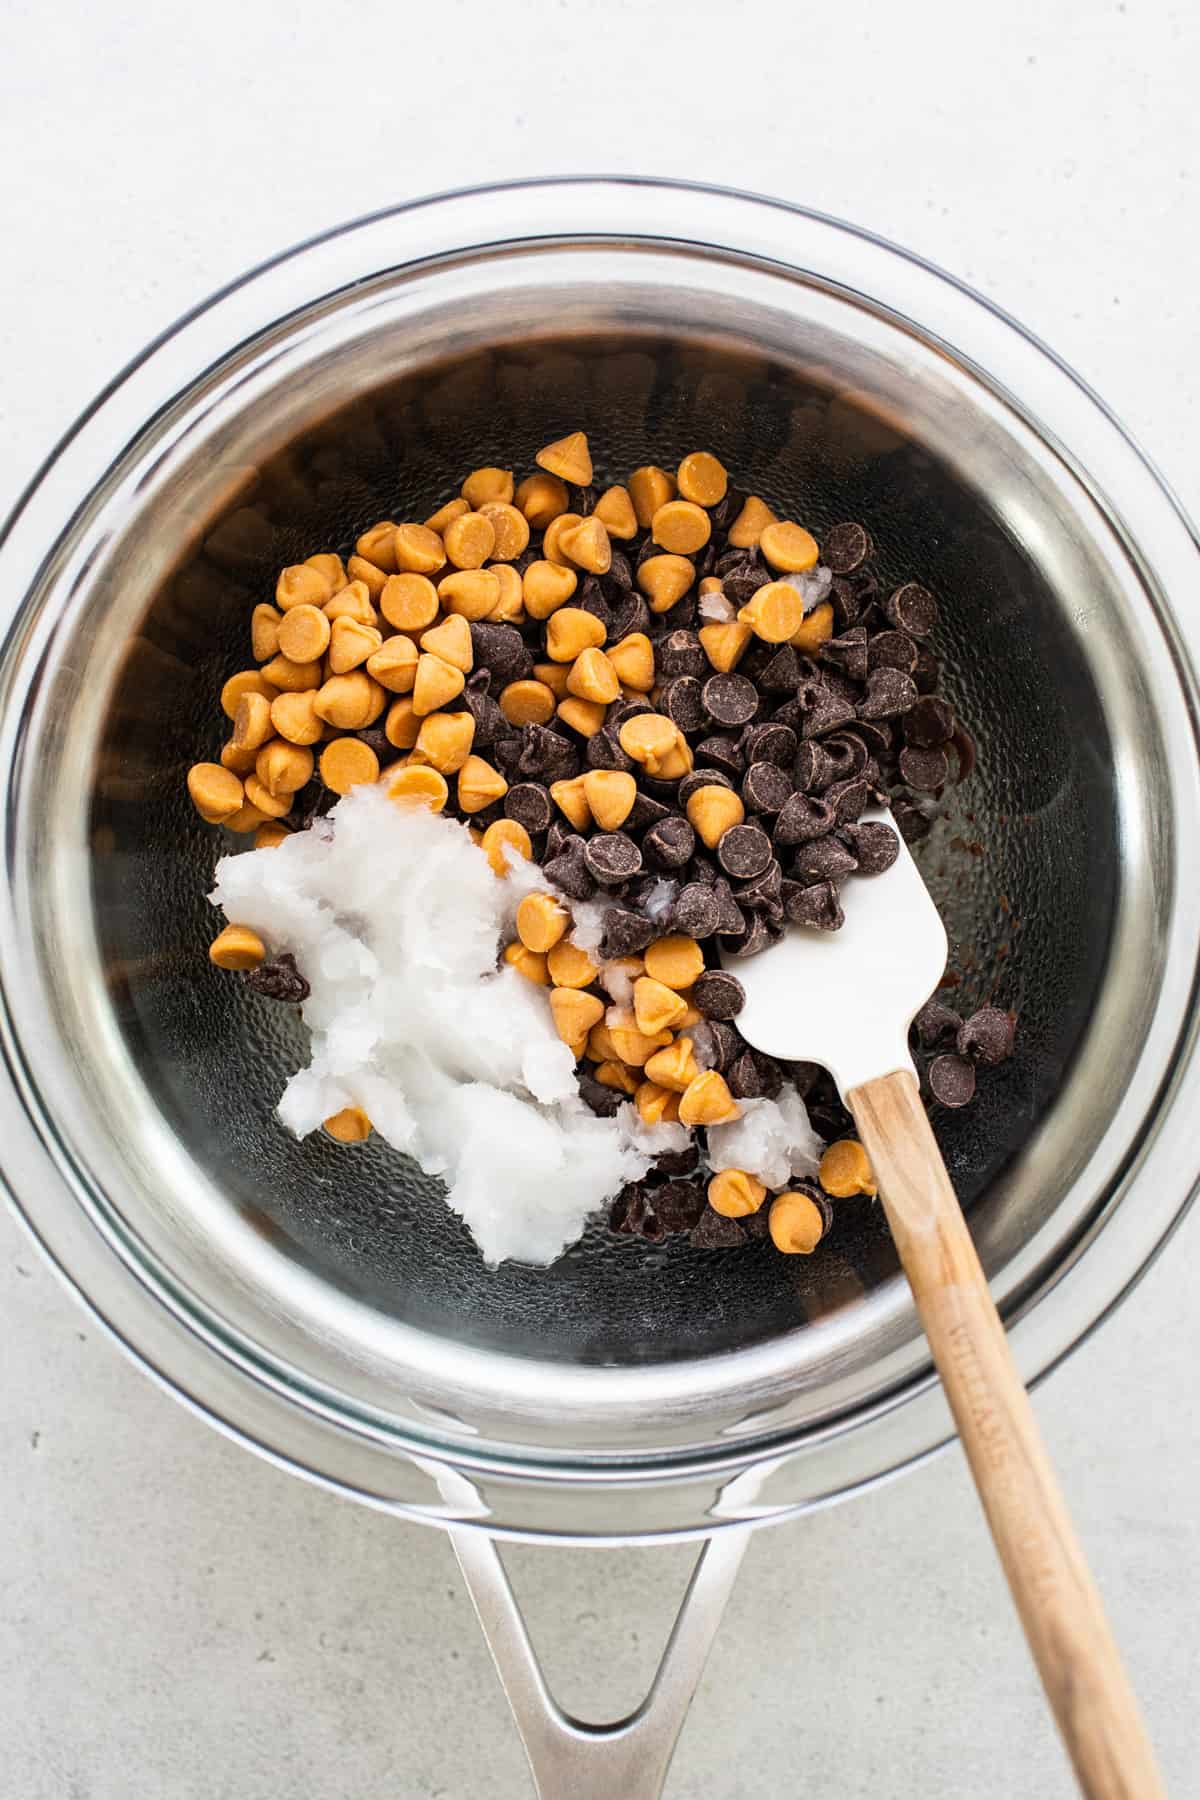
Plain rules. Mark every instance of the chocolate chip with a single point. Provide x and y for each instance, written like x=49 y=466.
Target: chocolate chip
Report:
x=669 y=844
x=892 y=650
x=670 y=1163
x=874 y=844
x=629 y=614
x=720 y=753
x=558 y=836
x=816 y=906
x=612 y=857
x=823 y=860
x=848 y=799
x=646 y=811
x=763 y=892
x=845 y=548
x=845 y=601
x=679 y=1204
x=695 y=911
x=280 y=979
x=889 y=693
x=681 y=653
x=987 y=1036
x=742 y=1078
x=545 y=756
x=714 y=1043
x=603 y=751
x=569 y=870
x=756 y=936
x=743 y=583
x=591 y=598
x=765 y=788
x=929 y=724
x=802 y=819
x=964 y=749
x=928 y=671
x=629 y=1210
x=739 y=556
x=827 y=712
x=529 y=803
x=877 y=734
x=601 y=1100
x=782 y=674
x=680 y=700
x=620 y=570
x=849 y=653
x=715 y=1232
x=952 y=1080
x=847 y=753
x=814 y=768
x=502 y=651
x=490 y=723
x=936 y=1021
x=744 y=851
x=582 y=500
x=926 y=770
x=912 y=608
x=769 y=743
x=718 y=995
x=729 y=913
x=912 y=821
x=730 y=700
x=625 y=932
x=699 y=778
x=377 y=739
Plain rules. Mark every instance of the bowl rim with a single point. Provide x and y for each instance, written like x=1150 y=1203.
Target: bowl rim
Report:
x=772 y=1480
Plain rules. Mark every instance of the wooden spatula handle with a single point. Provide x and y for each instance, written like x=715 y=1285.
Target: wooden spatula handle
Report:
x=1055 y=1595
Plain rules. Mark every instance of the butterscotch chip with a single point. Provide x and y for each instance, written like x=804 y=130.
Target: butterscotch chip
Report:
x=247 y=681
x=472 y=593
x=271 y=835
x=707 y=1101
x=702 y=478
x=527 y=703
x=574 y=1014
x=409 y=602
x=552 y=538
x=349 y=701
x=545 y=586
x=346 y=763
x=252 y=726
x=350 y=1126
x=788 y=547
x=355 y=601
x=554 y=676
x=725 y=645
x=469 y=540
x=675 y=1065
x=569 y=458
x=529 y=963
x=272 y=806
x=302 y=585
x=451 y=640
x=584 y=716
x=571 y=967
x=750 y=523
x=656 y=1008
x=437 y=682
x=541 y=922
x=445 y=740
x=571 y=799
x=237 y=947
x=283 y=768
x=633 y=660
x=681 y=527
x=615 y=511
x=418 y=550
x=304 y=634
x=592 y=677
x=351 y=644
x=264 y=632
x=775 y=613
x=394 y=665
x=541 y=498
x=510 y=529
x=402 y=724
x=367 y=574
x=735 y=1194
x=846 y=1169
x=570 y=631
x=588 y=546
x=485 y=485
x=501 y=841
x=288 y=677
x=675 y=960
x=416 y=784
x=610 y=794
x=798 y=1222
x=664 y=580
x=814 y=630
x=712 y=811
x=649 y=488
x=378 y=546
x=214 y=790
x=510 y=607
x=479 y=785
x=656 y=1105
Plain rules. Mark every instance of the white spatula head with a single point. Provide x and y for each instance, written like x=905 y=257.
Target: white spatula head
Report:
x=845 y=999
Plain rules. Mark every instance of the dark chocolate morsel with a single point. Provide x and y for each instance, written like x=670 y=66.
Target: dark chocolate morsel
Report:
x=730 y=700
x=646 y=811
x=765 y=788
x=929 y=724
x=569 y=870
x=612 y=857
x=816 y=906
x=814 y=767
x=681 y=653
x=714 y=1043
x=845 y=548
x=715 y=1232
x=603 y=751
x=925 y=770
x=718 y=995
x=987 y=1036
x=699 y=778
x=280 y=979
x=952 y=1079
x=680 y=700
x=769 y=742
x=892 y=650
x=874 y=844
x=936 y=1021
x=744 y=851
x=695 y=911
x=669 y=844
x=720 y=753
x=802 y=819
x=912 y=608
x=823 y=860
x=679 y=1204
x=502 y=651
x=625 y=933
x=889 y=693
x=529 y=803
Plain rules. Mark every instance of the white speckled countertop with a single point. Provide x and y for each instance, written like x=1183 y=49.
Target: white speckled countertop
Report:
x=180 y=1621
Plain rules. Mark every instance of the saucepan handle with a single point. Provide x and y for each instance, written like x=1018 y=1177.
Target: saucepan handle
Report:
x=572 y=1760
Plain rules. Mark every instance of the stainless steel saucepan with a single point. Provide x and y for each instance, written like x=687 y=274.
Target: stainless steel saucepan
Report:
x=324 y=1306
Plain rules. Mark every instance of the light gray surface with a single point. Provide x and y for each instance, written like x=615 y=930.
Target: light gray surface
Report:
x=177 y=1619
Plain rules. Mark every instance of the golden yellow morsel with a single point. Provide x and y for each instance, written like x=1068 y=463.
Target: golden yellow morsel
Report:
x=584 y=716
x=510 y=529
x=445 y=740
x=681 y=527
x=503 y=838
x=570 y=631
x=797 y=1223
x=409 y=602
x=446 y=515
x=247 y=681
x=734 y=1194
x=707 y=1101
x=552 y=546
x=347 y=762
x=416 y=784
x=627 y=1043
x=655 y=1007
x=846 y=1169
x=541 y=498
x=675 y=1065
x=648 y=737
x=567 y=457
x=237 y=947
x=451 y=640
x=816 y=629
x=351 y=643
x=574 y=1015
x=264 y=632
x=252 y=726
x=633 y=659
x=676 y=960
x=677 y=762
x=553 y=676
x=304 y=634
x=486 y=484
x=349 y=701
x=709 y=584
x=394 y=664
x=510 y=607
x=588 y=546
x=355 y=601
x=702 y=478
x=774 y=613
x=725 y=645
x=270 y=835
x=365 y=574
x=469 y=540
x=692 y=1017
x=613 y=1074
x=656 y=1105
x=541 y=922
x=529 y=963
x=417 y=550
x=615 y=511
x=288 y=677
x=571 y=967
x=527 y=703
x=788 y=547
x=214 y=790
x=545 y=586
x=571 y=799
x=479 y=784
x=711 y=811
x=402 y=724
x=238 y=758
x=610 y=794
x=649 y=488
x=350 y=1126
x=272 y=806
x=600 y=1046
x=331 y=566
x=437 y=682
x=378 y=546
x=592 y=677
x=750 y=523
x=283 y=768
x=664 y=580
x=471 y=593
x=301 y=585
x=246 y=818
